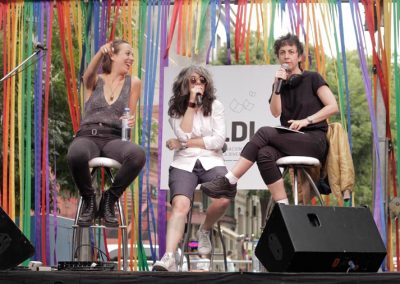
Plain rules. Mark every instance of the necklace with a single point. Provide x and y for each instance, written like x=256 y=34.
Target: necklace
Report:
x=112 y=90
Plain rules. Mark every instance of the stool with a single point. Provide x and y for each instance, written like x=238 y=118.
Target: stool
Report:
x=300 y=163
x=185 y=243
x=107 y=164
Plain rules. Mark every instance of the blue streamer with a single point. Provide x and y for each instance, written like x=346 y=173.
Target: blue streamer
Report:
x=96 y=21
x=213 y=17
x=162 y=196
x=213 y=33
x=228 y=30
x=346 y=81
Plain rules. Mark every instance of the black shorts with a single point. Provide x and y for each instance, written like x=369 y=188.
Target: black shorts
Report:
x=182 y=182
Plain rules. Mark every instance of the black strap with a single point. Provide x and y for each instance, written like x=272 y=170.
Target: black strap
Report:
x=98 y=132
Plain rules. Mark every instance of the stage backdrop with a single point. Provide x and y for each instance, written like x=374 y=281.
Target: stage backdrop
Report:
x=244 y=91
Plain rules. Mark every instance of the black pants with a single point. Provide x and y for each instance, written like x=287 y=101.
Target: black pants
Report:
x=269 y=144
x=84 y=148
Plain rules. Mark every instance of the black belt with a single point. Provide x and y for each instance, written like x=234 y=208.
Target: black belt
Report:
x=98 y=132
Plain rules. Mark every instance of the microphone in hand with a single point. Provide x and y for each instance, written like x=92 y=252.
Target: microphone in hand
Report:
x=199 y=99
x=278 y=86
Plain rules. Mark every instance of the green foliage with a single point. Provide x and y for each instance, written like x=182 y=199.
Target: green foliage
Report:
x=360 y=126
x=256 y=53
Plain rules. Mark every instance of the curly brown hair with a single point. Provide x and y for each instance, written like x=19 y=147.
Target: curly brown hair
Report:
x=289 y=39
x=178 y=103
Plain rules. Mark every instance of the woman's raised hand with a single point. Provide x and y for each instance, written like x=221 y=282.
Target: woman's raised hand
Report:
x=107 y=48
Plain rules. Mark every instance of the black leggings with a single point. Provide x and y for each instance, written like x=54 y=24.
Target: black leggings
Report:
x=84 y=148
x=269 y=144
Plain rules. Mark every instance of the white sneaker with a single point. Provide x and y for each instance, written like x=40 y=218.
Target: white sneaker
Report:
x=204 y=242
x=166 y=263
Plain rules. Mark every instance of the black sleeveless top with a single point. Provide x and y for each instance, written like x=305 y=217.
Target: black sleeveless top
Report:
x=98 y=111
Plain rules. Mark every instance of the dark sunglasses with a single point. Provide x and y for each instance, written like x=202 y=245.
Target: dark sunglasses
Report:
x=201 y=79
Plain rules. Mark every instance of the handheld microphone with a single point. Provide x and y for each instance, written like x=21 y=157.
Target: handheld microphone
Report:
x=38 y=45
x=199 y=99
x=280 y=81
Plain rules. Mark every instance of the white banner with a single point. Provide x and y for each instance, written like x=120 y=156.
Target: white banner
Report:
x=244 y=90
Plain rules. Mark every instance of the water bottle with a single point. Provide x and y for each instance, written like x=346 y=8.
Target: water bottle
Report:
x=125 y=127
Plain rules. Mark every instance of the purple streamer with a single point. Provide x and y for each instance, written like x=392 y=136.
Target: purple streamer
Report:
x=38 y=14
x=46 y=162
x=162 y=194
x=103 y=29
x=378 y=202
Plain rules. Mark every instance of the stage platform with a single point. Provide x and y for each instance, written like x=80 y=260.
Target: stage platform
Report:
x=67 y=277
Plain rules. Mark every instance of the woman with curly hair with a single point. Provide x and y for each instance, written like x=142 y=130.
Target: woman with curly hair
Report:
x=197 y=119
x=303 y=101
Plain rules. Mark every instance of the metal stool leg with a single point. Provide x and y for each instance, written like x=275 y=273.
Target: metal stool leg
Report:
x=184 y=247
x=124 y=233
x=296 y=192
x=313 y=186
x=212 y=253
x=122 y=226
x=75 y=229
x=223 y=246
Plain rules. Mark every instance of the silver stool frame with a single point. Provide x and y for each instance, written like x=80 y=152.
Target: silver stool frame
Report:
x=184 y=245
x=107 y=164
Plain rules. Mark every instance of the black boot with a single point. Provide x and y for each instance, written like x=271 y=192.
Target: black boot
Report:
x=107 y=209
x=88 y=211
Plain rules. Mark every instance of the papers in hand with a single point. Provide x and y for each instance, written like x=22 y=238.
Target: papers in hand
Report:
x=287 y=129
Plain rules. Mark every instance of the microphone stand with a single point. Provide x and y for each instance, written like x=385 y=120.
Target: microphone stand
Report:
x=11 y=73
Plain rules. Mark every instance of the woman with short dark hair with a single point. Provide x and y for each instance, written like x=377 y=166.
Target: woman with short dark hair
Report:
x=303 y=101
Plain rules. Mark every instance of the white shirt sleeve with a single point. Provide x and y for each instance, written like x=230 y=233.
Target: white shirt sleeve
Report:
x=216 y=140
x=176 y=127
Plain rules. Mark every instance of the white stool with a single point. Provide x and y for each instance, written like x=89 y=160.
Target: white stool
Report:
x=107 y=164
x=300 y=163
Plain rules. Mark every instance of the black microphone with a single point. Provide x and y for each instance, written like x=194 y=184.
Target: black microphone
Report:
x=38 y=45
x=280 y=81
x=199 y=99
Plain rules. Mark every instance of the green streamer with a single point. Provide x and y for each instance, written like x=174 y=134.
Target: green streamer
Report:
x=271 y=40
x=203 y=24
x=28 y=13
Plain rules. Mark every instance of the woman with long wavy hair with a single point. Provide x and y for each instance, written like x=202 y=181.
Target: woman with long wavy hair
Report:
x=197 y=119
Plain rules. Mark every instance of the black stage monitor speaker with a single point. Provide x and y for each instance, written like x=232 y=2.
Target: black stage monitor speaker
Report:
x=320 y=239
x=14 y=246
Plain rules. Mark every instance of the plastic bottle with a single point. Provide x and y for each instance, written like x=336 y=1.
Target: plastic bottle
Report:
x=125 y=129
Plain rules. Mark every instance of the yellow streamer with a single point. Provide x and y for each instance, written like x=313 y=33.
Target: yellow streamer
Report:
x=198 y=23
